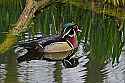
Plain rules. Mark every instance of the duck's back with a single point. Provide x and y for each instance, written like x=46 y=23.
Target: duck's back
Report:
x=49 y=40
x=47 y=45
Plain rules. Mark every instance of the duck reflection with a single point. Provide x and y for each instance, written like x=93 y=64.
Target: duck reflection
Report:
x=68 y=62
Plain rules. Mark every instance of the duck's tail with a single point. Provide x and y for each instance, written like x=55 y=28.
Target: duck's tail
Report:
x=27 y=49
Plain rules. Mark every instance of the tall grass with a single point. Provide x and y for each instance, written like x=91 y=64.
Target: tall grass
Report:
x=98 y=29
x=9 y=13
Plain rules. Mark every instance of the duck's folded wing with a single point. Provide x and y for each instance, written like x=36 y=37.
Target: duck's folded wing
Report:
x=57 y=47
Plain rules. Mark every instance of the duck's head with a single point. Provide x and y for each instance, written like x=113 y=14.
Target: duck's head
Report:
x=69 y=33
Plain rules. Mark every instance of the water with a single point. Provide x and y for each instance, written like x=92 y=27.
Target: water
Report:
x=42 y=71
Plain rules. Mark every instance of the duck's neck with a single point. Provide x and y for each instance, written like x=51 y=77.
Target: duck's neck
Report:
x=73 y=41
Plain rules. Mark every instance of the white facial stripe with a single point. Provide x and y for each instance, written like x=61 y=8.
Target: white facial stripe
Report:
x=64 y=29
x=66 y=33
x=73 y=34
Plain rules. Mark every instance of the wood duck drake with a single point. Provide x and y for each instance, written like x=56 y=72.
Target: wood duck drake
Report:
x=58 y=47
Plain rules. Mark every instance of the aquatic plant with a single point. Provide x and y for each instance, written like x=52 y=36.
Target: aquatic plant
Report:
x=102 y=25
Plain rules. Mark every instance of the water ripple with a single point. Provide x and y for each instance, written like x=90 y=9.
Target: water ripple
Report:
x=36 y=72
x=117 y=73
x=2 y=73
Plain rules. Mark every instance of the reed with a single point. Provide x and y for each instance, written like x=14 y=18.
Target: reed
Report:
x=101 y=30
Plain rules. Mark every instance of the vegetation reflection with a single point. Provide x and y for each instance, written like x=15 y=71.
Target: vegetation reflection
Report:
x=102 y=24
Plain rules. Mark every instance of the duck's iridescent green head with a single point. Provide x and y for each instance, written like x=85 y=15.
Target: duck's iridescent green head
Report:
x=70 y=29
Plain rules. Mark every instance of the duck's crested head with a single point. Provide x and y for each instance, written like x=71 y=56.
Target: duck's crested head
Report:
x=70 y=29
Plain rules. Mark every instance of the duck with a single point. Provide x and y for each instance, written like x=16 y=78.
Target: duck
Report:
x=55 y=47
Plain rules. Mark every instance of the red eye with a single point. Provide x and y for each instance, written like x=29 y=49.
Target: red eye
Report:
x=76 y=28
